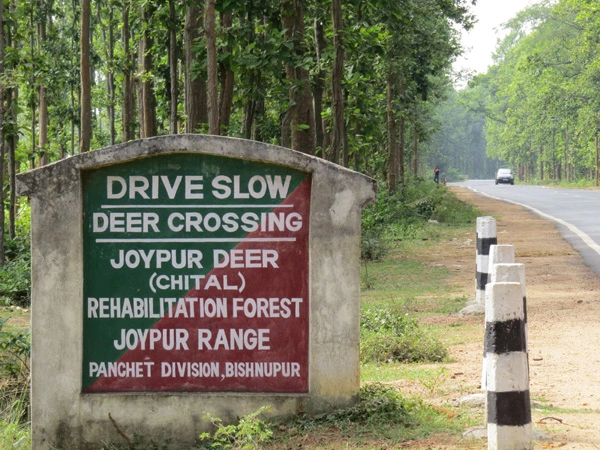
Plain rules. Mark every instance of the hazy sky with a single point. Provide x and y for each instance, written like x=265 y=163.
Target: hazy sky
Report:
x=480 y=41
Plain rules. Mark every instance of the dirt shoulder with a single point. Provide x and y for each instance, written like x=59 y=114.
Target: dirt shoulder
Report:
x=563 y=297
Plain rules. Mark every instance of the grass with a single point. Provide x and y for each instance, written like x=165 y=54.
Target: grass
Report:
x=14 y=436
x=385 y=419
x=385 y=373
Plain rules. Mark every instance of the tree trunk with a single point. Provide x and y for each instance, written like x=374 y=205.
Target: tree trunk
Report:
x=139 y=90
x=212 y=68
x=128 y=83
x=43 y=128
x=148 y=98
x=415 y=140
x=12 y=111
x=566 y=164
x=173 y=121
x=43 y=102
x=302 y=120
x=400 y=155
x=32 y=104
x=86 y=94
x=392 y=135
x=2 y=140
x=597 y=159
x=12 y=168
x=541 y=162
x=319 y=89
x=337 y=76
x=227 y=81
x=195 y=86
x=110 y=76
x=260 y=110
x=250 y=110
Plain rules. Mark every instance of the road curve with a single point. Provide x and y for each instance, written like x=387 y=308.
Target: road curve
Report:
x=575 y=211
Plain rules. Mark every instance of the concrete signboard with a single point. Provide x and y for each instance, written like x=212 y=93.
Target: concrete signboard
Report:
x=188 y=274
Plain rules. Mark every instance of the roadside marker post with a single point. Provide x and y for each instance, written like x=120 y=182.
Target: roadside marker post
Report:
x=512 y=273
x=486 y=237
x=499 y=254
x=508 y=405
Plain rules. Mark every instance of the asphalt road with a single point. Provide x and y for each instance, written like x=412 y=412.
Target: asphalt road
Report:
x=576 y=211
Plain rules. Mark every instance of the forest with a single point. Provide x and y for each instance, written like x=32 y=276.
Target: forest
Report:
x=537 y=107
x=354 y=82
x=364 y=83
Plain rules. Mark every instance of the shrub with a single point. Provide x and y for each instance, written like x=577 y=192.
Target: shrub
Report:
x=15 y=350
x=386 y=336
x=246 y=434
x=378 y=404
x=402 y=213
x=372 y=245
x=15 y=275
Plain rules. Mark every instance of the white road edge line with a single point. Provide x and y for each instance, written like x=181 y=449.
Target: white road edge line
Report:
x=584 y=237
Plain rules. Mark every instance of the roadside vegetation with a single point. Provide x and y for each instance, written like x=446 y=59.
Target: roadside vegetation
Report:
x=15 y=343
x=394 y=344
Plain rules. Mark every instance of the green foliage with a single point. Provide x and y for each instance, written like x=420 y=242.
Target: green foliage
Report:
x=406 y=211
x=387 y=336
x=541 y=97
x=452 y=211
x=372 y=244
x=416 y=202
x=453 y=175
x=380 y=410
x=15 y=275
x=14 y=436
x=248 y=433
x=15 y=350
x=378 y=404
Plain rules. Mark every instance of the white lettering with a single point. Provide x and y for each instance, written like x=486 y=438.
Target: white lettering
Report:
x=249 y=258
x=234 y=339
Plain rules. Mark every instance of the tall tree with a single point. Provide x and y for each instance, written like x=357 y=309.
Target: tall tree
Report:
x=394 y=158
x=86 y=89
x=108 y=39
x=42 y=99
x=173 y=59
x=319 y=85
x=339 y=141
x=148 y=100
x=10 y=123
x=128 y=108
x=2 y=140
x=195 y=85
x=301 y=112
x=212 y=67
x=227 y=77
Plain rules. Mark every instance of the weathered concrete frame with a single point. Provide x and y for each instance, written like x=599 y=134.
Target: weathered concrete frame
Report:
x=63 y=417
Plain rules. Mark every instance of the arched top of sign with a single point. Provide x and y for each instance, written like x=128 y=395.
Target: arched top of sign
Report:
x=28 y=183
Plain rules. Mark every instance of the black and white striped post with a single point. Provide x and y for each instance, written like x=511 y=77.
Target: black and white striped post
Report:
x=512 y=273
x=486 y=237
x=508 y=400
x=499 y=254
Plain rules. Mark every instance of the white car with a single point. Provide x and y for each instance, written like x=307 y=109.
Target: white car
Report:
x=505 y=176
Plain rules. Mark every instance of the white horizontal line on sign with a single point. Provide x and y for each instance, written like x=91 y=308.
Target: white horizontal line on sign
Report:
x=194 y=240
x=196 y=206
